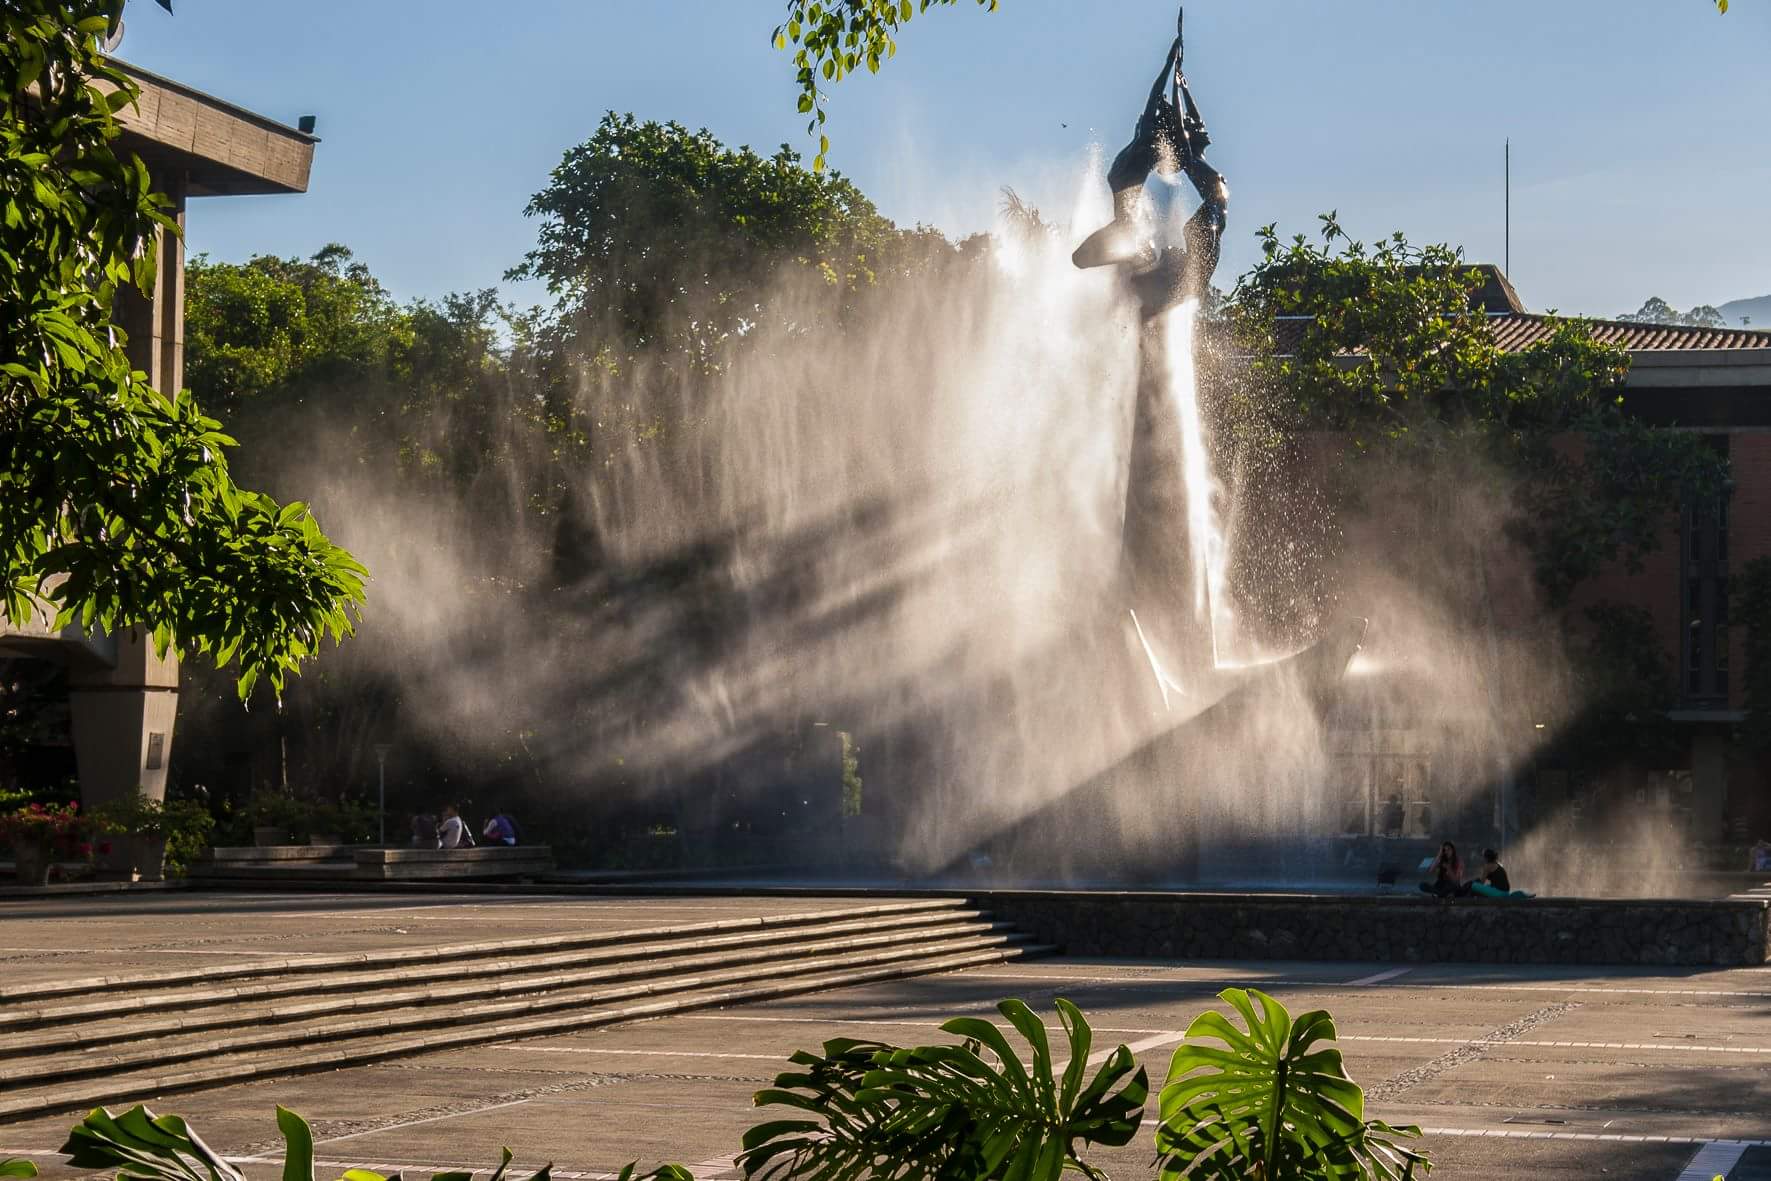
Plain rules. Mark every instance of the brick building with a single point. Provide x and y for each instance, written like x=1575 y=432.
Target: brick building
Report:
x=1706 y=782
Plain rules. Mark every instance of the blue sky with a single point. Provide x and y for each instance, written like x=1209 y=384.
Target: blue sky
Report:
x=1641 y=129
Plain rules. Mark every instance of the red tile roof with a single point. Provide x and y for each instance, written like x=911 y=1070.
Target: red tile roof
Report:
x=1516 y=331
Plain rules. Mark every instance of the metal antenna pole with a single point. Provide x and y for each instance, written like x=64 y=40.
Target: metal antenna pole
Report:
x=1507 y=249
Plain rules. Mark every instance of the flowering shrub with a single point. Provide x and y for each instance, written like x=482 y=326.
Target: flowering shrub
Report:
x=183 y=824
x=60 y=828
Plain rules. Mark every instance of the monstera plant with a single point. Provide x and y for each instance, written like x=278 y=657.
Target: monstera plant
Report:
x=141 y=1146
x=1275 y=1104
x=972 y=1109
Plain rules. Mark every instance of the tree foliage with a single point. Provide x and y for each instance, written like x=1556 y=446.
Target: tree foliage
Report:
x=653 y=235
x=274 y=322
x=833 y=38
x=1659 y=311
x=1385 y=346
x=117 y=508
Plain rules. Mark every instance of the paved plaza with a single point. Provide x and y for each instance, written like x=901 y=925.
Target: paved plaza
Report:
x=1517 y=1072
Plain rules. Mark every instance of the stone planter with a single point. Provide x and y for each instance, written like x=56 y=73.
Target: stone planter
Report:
x=150 y=858
x=117 y=865
x=31 y=864
x=325 y=838
x=132 y=859
x=264 y=836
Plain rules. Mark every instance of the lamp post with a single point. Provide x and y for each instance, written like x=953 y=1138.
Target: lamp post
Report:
x=381 y=749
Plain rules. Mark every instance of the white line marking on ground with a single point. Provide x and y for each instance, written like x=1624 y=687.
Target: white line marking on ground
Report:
x=930 y=1022
x=1127 y=978
x=415 y=1122
x=1163 y=1038
x=1448 y=986
x=1457 y=1041
x=651 y=1053
x=1380 y=977
x=426 y=1166
x=724 y=1164
x=137 y=951
x=1714 y=1159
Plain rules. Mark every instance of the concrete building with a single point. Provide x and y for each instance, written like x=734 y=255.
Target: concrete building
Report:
x=123 y=697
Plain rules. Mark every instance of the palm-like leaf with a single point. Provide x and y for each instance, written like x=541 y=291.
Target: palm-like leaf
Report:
x=141 y=1146
x=1275 y=1104
x=971 y=1110
x=14 y=1166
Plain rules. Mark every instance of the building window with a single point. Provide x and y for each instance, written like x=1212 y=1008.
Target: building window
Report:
x=1703 y=597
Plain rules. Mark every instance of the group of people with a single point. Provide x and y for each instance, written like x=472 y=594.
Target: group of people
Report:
x=1448 y=879
x=452 y=832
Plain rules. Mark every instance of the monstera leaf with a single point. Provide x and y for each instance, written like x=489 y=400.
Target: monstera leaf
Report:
x=1275 y=1104
x=970 y=1110
x=142 y=1146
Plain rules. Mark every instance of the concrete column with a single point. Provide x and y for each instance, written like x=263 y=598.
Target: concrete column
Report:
x=123 y=716
x=1709 y=786
x=122 y=721
x=154 y=322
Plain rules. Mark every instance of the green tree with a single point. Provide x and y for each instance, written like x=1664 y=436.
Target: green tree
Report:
x=1659 y=311
x=1384 y=345
x=117 y=508
x=281 y=322
x=653 y=236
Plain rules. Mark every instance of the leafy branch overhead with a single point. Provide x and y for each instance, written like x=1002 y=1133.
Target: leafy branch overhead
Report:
x=834 y=38
x=117 y=508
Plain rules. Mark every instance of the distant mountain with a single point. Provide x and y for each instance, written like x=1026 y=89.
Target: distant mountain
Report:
x=1757 y=310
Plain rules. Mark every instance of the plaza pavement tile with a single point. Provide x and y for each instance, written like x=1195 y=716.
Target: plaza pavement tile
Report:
x=1479 y=1055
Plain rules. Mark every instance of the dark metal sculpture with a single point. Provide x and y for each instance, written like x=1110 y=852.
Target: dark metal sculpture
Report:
x=1170 y=136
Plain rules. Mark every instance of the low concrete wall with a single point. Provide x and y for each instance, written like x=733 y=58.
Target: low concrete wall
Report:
x=272 y=854
x=1396 y=929
x=373 y=863
x=483 y=861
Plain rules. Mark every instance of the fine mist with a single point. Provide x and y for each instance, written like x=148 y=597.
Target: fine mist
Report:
x=910 y=531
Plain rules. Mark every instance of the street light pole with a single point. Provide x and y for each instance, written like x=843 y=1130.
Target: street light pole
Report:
x=381 y=749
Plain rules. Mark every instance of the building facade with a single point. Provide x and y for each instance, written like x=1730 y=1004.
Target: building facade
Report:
x=123 y=696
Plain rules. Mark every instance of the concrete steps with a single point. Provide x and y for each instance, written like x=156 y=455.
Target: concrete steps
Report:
x=111 y=1040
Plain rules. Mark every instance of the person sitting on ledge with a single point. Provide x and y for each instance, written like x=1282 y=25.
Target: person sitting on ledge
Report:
x=1492 y=882
x=500 y=830
x=453 y=833
x=1448 y=874
x=1493 y=873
